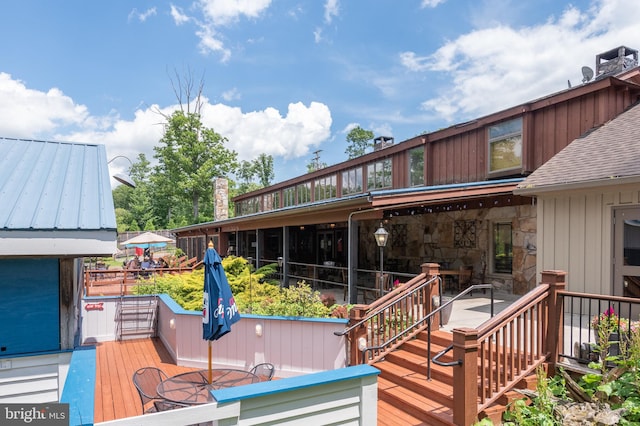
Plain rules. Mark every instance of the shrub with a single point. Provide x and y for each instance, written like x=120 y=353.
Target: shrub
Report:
x=255 y=291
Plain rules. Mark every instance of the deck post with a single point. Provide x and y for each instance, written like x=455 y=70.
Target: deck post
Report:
x=431 y=270
x=355 y=315
x=465 y=376
x=555 y=320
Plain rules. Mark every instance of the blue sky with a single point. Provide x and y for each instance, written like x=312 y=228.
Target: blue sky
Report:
x=289 y=77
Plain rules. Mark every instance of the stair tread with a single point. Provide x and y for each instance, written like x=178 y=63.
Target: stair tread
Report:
x=416 y=378
x=421 y=403
x=398 y=416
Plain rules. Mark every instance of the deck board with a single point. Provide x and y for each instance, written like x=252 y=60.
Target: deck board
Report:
x=116 y=397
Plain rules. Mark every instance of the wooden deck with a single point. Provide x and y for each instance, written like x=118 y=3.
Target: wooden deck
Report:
x=116 y=397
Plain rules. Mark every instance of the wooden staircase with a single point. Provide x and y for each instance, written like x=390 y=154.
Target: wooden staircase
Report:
x=407 y=397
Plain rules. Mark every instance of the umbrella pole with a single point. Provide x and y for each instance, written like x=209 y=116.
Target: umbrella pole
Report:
x=210 y=371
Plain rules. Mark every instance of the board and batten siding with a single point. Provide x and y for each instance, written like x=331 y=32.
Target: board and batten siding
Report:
x=575 y=234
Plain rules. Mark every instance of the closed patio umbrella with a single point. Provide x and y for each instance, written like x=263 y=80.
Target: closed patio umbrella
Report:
x=219 y=310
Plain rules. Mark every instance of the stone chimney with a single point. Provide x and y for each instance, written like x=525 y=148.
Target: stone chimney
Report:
x=615 y=61
x=220 y=199
x=382 y=142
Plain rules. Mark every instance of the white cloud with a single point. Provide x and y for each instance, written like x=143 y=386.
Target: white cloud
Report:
x=317 y=35
x=210 y=15
x=494 y=68
x=178 y=16
x=30 y=114
x=231 y=95
x=210 y=42
x=267 y=131
x=431 y=3
x=223 y=12
x=142 y=16
x=331 y=9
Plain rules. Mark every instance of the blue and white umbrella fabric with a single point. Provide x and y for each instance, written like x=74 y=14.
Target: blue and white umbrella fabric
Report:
x=219 y=310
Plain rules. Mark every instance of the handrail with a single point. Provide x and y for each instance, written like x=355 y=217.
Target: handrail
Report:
x=535 y=295
x=436 y=359
x=402 y=292
x=424 y=322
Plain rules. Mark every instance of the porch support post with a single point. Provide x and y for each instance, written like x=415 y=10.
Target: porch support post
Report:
x=465 y=376
x=555 y=320
x=285 y=256
x=431 y=270
x=355 y=315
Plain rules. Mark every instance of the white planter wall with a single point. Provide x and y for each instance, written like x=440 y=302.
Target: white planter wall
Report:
x=294 y=345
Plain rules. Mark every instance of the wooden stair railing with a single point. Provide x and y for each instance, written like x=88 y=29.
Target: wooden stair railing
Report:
x=506 y=349
x=398 y=316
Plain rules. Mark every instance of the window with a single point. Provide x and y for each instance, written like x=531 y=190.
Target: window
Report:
x=352 y=181
x=379 y=174
x=502 y=248
x=304 y=193
x=505 y=146
x=271 y=201
x=325 y=188
x=416 y=166
x=288 y=197
x=248 y=206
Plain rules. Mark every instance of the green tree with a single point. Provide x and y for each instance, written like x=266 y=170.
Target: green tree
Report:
x=263 y=168
x=134 y=207
x=190 y=156
x=358 y=139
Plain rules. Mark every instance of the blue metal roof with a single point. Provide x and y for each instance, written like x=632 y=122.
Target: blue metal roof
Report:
x=54 y=186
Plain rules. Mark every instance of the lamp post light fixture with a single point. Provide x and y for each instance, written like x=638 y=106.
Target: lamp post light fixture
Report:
x=381 y=236
x=280 y=261
x=250 y=260
x=122 y=178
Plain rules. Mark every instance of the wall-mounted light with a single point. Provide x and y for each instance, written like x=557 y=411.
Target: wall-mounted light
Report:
x=172 y=323
x=362 y=344
x=122 y=178
x=259 y=330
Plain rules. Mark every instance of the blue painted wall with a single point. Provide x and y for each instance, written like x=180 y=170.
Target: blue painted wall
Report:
x=29 y=306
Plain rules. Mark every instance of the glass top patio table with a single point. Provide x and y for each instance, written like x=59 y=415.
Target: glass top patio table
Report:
x=193 y=387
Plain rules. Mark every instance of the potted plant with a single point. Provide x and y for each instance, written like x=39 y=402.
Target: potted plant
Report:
x=610 y=328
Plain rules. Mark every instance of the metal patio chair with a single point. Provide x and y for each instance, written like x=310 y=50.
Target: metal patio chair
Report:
x=146 y=381
x=265 y=371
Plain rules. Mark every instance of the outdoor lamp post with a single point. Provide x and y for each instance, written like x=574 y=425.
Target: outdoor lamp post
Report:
x=281 y=271
x=381 y=236
x=122 y=178
x=250 y=260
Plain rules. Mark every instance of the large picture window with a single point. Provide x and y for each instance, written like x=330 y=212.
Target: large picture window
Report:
x=288 y=197
x=352 y=181
x=505 y=146
x=416 y=166
x=325 y=188
x=304 y=193
x=379 y=174
x=502 y=248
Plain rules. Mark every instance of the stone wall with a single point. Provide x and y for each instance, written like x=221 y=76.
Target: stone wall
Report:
x=454 y=239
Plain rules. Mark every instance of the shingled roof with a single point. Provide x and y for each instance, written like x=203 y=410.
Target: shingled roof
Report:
x=607 y=155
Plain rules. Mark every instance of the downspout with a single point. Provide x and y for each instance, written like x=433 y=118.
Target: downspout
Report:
x=352 y=294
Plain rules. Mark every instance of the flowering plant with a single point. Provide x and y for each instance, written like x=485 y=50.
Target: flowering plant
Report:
x=611 y=322
x=396 y=283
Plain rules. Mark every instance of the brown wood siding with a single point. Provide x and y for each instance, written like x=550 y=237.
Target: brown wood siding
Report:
x=399 y=176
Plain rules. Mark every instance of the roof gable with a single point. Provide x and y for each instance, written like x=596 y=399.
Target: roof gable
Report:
x=608 y=154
